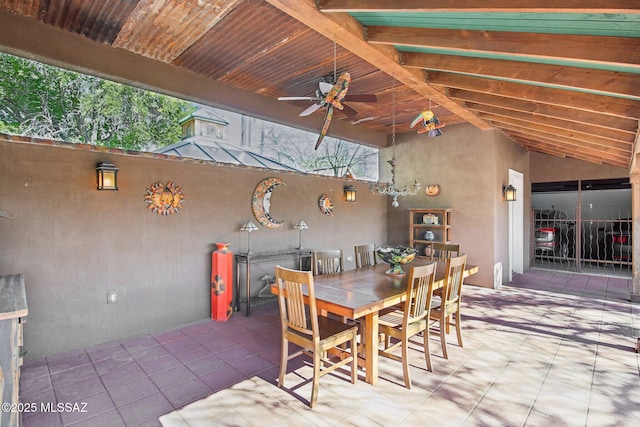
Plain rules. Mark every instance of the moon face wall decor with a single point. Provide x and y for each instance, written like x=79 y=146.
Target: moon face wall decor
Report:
x=261 y=202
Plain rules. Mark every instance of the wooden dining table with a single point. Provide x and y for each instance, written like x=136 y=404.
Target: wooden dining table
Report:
x=362 y=293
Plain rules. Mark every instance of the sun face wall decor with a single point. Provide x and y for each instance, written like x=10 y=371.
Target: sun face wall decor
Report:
x=325 y=204
x=164 y=200
x=432 y=190
x=261 y=202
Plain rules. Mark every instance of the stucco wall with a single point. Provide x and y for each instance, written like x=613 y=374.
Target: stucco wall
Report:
x=465 y=163
x=74 y=243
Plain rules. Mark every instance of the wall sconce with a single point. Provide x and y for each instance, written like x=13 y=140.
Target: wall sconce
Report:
x=509 y=193
x=248 y=227
x=107 y=176
x=350 y=193
x=301 y=225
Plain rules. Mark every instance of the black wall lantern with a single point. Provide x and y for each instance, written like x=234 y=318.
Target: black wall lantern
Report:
x=350 y=193
x=509 y=193
x=107 y=176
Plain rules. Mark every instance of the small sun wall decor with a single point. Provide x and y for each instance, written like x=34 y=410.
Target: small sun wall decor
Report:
x=325 y=204
x=164 y=199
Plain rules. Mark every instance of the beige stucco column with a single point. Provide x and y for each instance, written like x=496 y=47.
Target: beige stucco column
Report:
x=635 y=205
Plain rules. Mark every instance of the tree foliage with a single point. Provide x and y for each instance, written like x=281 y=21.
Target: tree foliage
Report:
x=48 y=102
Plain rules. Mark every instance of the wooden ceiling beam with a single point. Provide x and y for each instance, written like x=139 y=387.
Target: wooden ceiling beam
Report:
x=623 y=149
x=610 y=134
x=634 y=168
x=592 y=149
x=553 y=150
x=349 y=33
x=628 y=126
x=540 y=6
x=552 y=147
x=620 y=51
x=601 y=82
x=567 y=151
x=582 y=101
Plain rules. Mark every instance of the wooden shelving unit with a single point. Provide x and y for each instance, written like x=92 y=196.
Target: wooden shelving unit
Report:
x=422 y=221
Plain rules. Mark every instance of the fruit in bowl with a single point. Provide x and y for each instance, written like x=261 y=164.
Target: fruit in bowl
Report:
x=396 y=257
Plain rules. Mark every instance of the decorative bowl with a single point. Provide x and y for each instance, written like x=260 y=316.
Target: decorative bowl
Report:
x=396 y=257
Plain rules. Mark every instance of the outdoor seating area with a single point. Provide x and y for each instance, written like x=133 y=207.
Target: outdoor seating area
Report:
x=319 y=213
x=547 y=348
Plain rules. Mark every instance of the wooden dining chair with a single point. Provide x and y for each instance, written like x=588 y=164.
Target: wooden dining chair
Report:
x=327 y=262
x=412 y=320
x=365 y=255
x=443 y=251
x=315 y=334
x=448 y=305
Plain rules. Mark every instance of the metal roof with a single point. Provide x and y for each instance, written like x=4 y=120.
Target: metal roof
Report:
x=204 y=148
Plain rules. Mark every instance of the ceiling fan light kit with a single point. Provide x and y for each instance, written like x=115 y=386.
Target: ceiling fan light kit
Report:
x=331 y=96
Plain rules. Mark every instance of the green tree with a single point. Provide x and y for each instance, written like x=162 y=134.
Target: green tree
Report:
x=48 y=102
x=35 y=99
x=333 y=157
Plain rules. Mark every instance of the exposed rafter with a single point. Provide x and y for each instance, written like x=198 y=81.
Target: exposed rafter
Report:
x=349 y=33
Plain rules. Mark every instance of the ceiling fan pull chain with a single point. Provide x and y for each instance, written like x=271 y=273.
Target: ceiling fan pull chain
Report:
x=335 y=55
x=393 y=114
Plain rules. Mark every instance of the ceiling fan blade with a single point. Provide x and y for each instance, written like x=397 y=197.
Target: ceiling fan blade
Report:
x=299 y=98
x=311 y=109
x=361 y=98
x=348 y=111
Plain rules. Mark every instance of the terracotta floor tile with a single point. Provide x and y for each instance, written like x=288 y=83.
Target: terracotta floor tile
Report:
x=550 y=348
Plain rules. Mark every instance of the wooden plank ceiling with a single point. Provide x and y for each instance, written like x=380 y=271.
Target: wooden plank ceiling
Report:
x=558 y=77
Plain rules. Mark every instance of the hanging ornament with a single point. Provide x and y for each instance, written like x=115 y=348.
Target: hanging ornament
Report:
x=390 y=188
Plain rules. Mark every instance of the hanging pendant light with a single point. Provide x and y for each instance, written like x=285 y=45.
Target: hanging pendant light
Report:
x=390 y=188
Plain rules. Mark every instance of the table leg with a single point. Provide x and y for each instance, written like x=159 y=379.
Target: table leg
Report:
x=237 y=285
x=248 y=289
x=371 y=348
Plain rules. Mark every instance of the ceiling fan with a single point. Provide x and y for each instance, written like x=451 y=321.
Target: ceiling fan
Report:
x=430 y=123
x=331 y=95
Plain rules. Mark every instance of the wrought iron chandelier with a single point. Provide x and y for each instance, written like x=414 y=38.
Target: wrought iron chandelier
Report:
x=390 y=188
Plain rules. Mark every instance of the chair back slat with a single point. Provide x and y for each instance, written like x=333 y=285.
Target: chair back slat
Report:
x=327 y=262
x=365 y=255
x=419 y=292
x=443 y=251
x=453 y=280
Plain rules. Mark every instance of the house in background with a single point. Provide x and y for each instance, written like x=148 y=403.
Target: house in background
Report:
x=206 y=123
x=205 y=137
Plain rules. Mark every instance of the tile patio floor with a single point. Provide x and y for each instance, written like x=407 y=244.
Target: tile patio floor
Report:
x=548 y=349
